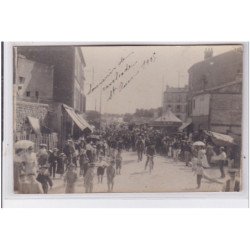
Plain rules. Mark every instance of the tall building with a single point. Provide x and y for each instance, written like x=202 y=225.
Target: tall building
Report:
x=215 y=92
x=67 y=63
x=176 y=99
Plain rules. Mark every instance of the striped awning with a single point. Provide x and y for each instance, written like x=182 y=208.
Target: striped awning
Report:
x=35 y=124
x=81 y=123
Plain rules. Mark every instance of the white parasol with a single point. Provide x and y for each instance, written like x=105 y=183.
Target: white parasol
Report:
x=198 y=143
x=24 y=144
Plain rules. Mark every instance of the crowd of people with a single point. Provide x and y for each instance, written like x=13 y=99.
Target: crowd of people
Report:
x=91 y=156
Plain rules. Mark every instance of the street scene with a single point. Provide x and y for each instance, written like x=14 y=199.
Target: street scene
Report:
x=127 y=119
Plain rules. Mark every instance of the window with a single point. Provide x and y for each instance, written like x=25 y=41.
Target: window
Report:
x=193 y=104
x=37 y=94
x=28 y=93
x=19 y=87
x=21 y=79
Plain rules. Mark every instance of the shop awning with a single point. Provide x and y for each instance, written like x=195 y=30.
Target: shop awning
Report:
x=220 y=139
x=35 y=124
x=185 y=124
x=77 y=119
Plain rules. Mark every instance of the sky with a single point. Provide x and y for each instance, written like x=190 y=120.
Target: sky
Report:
x=168 y=66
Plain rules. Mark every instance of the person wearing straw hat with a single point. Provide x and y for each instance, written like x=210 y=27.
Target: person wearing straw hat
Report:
x=232 y=184
x=53 y=161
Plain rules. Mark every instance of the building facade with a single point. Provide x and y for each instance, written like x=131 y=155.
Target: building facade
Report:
x=176 y=99
x=53 y=75
x=68 y=66
x=215 y=92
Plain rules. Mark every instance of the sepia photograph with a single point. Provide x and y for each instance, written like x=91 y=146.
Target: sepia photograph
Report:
x=127 y=118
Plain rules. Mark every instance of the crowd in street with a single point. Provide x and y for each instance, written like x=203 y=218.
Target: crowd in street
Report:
x=94 y=156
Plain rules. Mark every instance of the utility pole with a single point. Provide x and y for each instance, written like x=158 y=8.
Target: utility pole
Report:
x=100 y=110
x=162 y=94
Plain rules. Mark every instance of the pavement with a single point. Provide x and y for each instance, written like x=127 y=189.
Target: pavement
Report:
x=167 y=176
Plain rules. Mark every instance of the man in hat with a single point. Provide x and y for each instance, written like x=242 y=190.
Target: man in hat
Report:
x=34 y=187
x=140 y=146
x=44 y=178
x=88 y=178
x=53 y=161
x=232 y=184
x=61 y=162
x=70 y=179
x=222 y=159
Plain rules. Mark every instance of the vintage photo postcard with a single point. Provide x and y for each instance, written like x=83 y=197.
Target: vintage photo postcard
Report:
x=127 y=118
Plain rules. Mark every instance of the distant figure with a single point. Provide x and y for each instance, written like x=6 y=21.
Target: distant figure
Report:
x=70 y=179
x=61 y=163
x=199 y=171
x=88 y=179
x=222 y=160
x=150 y=152
x=44 y=178
x=110 y=175
x=53 y=161
x=118 y=162
x=140 y=146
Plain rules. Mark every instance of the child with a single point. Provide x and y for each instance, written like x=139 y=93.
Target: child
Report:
x=118 y=161
x=199 y=171
x=44 y=178
x=101 y=169
x=70 y=179
x=88 y=179
x=110 y=175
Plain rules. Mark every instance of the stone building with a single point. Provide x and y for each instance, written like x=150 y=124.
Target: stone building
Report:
x=54 y=75
x=66 y=84
x=176 y=99
x=215 y=92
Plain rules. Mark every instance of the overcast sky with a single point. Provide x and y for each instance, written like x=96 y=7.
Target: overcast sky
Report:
x=170 y=67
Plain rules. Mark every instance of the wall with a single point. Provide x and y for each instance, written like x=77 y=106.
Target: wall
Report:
x=200 y=122
x=24 y=109
x=226 y=112
x=200 y=105
x=215 y=71
x=62 y=58
x=34 y=77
